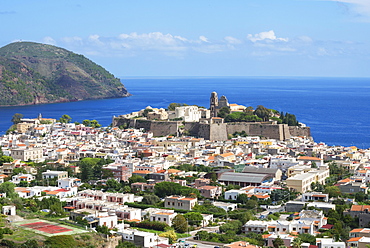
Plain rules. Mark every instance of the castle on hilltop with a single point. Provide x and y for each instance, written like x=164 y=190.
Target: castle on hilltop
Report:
x=204 y=123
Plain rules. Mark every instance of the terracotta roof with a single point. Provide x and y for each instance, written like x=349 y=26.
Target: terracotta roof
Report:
x=354 y=239
x=356 y=230
x=308 y=158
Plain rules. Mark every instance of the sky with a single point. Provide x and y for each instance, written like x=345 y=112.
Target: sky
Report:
x=149 y=38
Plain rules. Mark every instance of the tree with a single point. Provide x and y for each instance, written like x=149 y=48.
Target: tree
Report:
x=194 y=218
x=150 y=199
x=86 y=123
x=16 y=118
x=223 y=112
x=297 y=242
x=231 y=226
x=180 y=224
x=136 y=179
x=173 y=106
x=5 y=159
x=18 y=170
x=103 y=229
x=278 y=242
x=333 y=191
x=170 y=234
x=8 y=188
x=65 y=119
x=262 y=112
x=113 y=185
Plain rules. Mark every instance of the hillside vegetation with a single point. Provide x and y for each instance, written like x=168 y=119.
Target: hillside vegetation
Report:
x=34 y=73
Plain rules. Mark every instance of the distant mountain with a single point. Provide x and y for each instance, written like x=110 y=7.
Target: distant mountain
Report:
x=34 y=73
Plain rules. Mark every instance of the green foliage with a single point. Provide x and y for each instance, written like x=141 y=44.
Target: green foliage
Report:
x=307 y=238
x=262 y=112
x=223 y=112
x=91 y=123
x=170 y=188
x=180 y=224
x=136 y=179
x=60 y=241
x=113 y=185
x=16 y=118
x=65 y=119
x=170 y=234
x=91 y=168
x=8 y=188
x=208 y=208
x=232 y=226
x=289 y=119
x=103 y=229
x=150 y=199
x=29 y=244
x=126 y=244
x=154 y=225
x=255 y=239
x=194 y=218
x=5 y=159
x=278 y=242
x=242 y=215
x=242 y=117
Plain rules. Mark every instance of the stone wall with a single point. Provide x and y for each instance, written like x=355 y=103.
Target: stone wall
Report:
x=216 y=131
x=163 y=128
x=300 y=131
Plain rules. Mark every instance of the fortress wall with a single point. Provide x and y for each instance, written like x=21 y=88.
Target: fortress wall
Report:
x=119 y=121
x=233 y=127
x=218 y=131
x=146 y=124
x=204 y=131
x=300 y=131
x=285 y=132
x=163 y=128
x=273 y=131
x=193 y=128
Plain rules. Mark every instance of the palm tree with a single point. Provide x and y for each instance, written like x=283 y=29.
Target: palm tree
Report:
x=297 y=242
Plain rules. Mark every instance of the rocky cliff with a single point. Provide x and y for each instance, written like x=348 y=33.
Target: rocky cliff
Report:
x=33 y=73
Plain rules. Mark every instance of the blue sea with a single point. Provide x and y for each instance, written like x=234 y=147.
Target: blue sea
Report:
x=336 y=109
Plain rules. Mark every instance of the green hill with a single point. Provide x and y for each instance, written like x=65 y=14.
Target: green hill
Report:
x=34 y=73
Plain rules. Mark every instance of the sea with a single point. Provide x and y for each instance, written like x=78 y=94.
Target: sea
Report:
x=336 y=109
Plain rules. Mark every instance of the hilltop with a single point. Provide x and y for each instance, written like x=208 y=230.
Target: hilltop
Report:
x=34 y=73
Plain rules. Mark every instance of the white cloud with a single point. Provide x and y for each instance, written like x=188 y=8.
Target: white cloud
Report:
x=265 y=36
x=232 y=40
x=203 y=38
x=154 y=44
x=73 y=40
x=49 y=40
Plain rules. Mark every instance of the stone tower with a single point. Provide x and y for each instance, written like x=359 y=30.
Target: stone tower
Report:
x=213 y=104
x=223 y=102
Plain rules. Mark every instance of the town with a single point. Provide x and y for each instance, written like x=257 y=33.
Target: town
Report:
x=83 y=185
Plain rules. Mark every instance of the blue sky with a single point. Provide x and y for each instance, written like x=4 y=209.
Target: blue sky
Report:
x=202 y=37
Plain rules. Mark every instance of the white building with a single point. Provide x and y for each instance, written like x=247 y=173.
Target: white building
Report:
x=54 y=174
x=188 y=113
x=142 y=239
x=68 y=182
x=329 y=243
x=165 y=216
x=22 y=178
